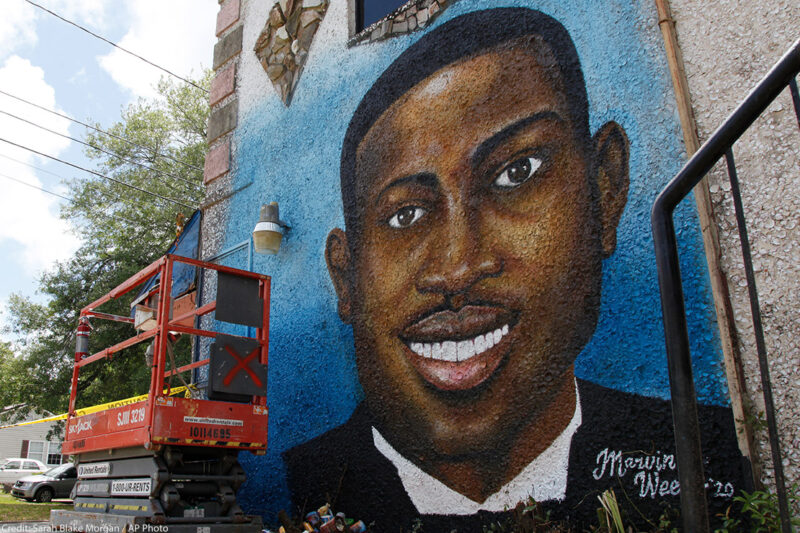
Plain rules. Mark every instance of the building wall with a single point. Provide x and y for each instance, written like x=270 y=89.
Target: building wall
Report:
x=727 y=48
x=11 y=438
x=550 y=268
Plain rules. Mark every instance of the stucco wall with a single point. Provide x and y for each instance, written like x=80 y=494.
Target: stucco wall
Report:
x=728 y=46
x=335 y=341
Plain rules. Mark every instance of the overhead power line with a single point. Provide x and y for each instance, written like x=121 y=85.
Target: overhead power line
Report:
x=165 y=198
x=112 y=154
x=119 y=197
x=115 y=45
x=95 y=128
x=33 y=166
x=70 y=200
x=32 y=186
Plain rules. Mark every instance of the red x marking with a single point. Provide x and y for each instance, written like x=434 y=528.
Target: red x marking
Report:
x=241 y=365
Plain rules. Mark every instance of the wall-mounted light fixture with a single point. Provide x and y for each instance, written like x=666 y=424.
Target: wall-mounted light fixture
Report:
x=269 y=231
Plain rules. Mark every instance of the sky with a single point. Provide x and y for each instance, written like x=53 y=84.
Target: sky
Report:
x=57 y=66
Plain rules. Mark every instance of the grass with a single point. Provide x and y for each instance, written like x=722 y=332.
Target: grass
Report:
x=13 y=509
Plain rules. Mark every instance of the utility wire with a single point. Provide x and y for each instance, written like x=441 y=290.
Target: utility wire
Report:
x=112 y=154
x=118 y=196
x=115 y=45
x=33 y=166
x=70 y=200
x=31 y=185
x=172 y=200
x=95 y=128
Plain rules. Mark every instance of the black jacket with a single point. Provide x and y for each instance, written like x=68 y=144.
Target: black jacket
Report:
x=625 y=442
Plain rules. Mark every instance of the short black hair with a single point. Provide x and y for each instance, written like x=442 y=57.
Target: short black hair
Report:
x=459 y=38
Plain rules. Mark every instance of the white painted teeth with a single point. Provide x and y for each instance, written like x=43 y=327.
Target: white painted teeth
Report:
x=455 y=351
x=449 y=352
x=436 y=351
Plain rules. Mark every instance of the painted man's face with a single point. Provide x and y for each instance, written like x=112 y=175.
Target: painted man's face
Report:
x=475 y=280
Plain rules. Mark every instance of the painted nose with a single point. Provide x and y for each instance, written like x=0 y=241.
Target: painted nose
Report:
x=459 y=256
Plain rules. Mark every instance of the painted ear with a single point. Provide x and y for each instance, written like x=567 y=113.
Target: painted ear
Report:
x=337 y=257
x=611 y=153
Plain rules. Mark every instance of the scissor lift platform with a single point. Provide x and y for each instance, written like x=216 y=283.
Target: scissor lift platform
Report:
x=173 y=421
x=167 y=460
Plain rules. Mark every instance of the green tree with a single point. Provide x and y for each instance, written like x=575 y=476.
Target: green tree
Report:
x=155 y=156
x=12 y=372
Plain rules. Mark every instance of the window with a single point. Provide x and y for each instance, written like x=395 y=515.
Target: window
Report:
x=46 y=452
x=36 y=450
x=369 y=21
x=369 y=12
x=65 y=471
x=30 y=465
x=54 y=454
x=13 y=465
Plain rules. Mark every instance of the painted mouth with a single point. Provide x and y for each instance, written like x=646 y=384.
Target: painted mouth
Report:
x=463 y=350
x=459 y=350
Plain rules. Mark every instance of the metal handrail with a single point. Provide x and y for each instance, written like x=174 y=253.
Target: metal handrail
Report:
x=684 y=403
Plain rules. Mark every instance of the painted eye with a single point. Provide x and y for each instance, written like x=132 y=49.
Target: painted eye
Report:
x=407 y=216
x=518 y=172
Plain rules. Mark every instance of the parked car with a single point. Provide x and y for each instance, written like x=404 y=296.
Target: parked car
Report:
x=55 y=483
x=14 y=468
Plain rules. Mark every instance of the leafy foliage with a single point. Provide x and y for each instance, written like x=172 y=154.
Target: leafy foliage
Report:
x=12 y=371
x=123 y=230
x=760 y=510
x=609 y=514
x=527 y=517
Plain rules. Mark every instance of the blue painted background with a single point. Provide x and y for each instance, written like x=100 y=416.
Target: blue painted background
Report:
x=291 y=155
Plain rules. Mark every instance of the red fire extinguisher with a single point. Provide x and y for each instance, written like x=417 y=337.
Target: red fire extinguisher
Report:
x=82 y=338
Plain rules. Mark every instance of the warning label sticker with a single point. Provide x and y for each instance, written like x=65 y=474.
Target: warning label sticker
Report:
x=213 y=421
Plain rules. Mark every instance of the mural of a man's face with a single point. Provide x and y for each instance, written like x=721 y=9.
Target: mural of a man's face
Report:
x=474 y=280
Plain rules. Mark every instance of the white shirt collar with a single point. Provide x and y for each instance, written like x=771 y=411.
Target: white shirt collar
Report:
x=545 y=478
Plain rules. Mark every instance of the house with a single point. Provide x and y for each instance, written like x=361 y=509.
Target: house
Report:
x=30 y=435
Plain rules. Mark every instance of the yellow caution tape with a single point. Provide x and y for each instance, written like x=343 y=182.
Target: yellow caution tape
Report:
x=96 y=408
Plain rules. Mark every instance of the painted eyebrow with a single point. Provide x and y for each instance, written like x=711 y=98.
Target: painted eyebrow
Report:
x=424 y=179
x=487 y=146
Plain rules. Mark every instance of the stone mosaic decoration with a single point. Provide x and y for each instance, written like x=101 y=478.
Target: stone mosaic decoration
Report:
x=282 y=47
x=412 y=16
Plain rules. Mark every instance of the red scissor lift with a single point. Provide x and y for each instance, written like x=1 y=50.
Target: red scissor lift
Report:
x=169 y=461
